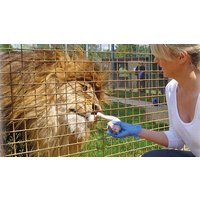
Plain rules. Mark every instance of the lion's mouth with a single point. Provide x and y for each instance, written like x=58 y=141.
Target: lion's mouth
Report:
x=88 y=116
x=78 y=123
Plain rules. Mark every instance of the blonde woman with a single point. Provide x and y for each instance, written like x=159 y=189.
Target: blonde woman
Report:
x=181 y=63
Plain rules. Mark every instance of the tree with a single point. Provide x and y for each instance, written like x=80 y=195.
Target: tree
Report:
x=122 y=50
x=5 y=47
x=131 y=50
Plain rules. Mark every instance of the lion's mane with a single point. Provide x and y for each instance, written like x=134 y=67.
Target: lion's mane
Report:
x=48 y=101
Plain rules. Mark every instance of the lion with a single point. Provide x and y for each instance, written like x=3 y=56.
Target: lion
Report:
x=49 y=100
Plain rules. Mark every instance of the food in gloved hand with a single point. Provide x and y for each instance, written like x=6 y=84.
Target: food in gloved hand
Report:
x=114 y=127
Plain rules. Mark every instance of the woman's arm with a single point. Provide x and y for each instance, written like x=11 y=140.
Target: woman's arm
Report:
x=136 y=130
x=154 y=136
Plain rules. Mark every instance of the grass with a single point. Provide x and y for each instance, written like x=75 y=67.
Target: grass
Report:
x=100 y=144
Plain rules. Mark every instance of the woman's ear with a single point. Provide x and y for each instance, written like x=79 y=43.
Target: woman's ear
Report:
x=184 y=57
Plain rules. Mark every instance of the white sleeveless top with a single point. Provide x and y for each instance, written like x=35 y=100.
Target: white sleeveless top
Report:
x=179 y=132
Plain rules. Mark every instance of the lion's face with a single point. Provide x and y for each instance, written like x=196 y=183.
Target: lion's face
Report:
x=78 y=105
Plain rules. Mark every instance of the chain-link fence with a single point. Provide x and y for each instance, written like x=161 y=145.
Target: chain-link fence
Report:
x=50 y=95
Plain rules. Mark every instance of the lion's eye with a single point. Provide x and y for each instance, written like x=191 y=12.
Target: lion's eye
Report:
x=84 y=88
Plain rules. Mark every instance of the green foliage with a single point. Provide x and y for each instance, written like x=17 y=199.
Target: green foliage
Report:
x=124 y=50
x=131 y=50
x=5 y=47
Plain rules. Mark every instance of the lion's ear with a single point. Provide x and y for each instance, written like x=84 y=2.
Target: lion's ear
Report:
x=78 y=54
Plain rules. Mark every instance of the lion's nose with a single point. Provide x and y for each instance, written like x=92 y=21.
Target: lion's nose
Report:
x=96 y=108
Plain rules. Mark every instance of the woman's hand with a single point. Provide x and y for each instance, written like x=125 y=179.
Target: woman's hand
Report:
x=126 y=130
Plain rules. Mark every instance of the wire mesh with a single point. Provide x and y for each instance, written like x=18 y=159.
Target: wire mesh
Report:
x=50 y=95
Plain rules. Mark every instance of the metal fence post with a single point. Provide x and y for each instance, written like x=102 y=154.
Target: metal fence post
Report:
x=113 y=63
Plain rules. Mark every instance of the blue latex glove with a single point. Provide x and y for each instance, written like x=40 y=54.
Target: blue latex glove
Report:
x=126 y=130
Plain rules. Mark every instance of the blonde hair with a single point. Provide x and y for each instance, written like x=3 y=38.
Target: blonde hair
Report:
x=169 y=51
